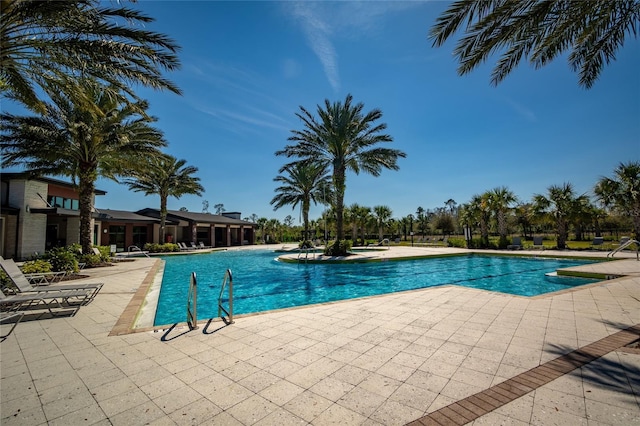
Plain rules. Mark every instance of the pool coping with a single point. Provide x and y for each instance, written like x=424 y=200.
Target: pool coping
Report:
x=126 y=323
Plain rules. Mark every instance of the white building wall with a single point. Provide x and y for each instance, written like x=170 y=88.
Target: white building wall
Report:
x=32 y=227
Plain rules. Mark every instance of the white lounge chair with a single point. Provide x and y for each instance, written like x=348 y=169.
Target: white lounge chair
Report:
x=48 y=300
x=24 y=286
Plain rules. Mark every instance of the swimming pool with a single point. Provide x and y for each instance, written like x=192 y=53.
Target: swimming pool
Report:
x=261 y=283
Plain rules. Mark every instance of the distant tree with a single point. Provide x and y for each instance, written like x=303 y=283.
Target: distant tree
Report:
x=165 y=176
x=219 y=208
x=524 y=215
x=183 y=209
x=342 y=138
x=539 y=30
x=560 y=204
x=262 y=225
x=363 y=218
x=622 y=192
x=478 y=210
x=382 y=214
x=205 y=206
x=500 y=201
x=51 y=43
x=106 y=139
x=288 y=220
x=301 y=183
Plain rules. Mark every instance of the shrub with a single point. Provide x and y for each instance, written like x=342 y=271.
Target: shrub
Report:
x=457 y=242
x=35 y=266
x=306 y=244
x=337 y=248
x=161 y=248
x=91 y=260
x=105 y=253
x=62 y=259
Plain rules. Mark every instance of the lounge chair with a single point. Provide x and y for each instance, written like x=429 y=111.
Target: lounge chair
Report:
x=516 y=244
x=597 y=242
x=48 y=300
x=537 y=243
x=6 y=316
x=24 y=286
x=381 y=243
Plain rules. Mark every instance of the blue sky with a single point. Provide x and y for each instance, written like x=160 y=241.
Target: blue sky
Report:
x=248 y=66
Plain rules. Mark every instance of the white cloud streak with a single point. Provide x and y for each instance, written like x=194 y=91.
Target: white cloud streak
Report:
x=318 y=32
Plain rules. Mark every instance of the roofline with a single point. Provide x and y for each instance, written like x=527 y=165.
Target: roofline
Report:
x=29 y=176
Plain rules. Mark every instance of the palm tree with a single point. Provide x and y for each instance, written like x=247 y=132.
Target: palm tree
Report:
x=478 y=210
x=165 y=176
x=351 y=217
x=302 y=184
x=539 y=30
x=107 y=139
x=500 y=201
x=343 y=138
x=560 y=204
x=382 y=214
x=364 y=218
x=262 y=225
x=622 y=192
x=50 y=43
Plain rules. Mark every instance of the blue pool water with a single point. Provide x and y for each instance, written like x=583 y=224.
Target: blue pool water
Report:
x=261 y=283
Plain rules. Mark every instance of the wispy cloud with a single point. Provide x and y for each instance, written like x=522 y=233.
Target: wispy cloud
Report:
x=318 y=32
x=523 y=111
x=324 y=22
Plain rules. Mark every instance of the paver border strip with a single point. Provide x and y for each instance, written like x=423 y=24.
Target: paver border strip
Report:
x=475 y=406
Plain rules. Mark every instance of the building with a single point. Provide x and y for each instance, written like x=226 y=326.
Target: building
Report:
x=37 y=214
x=222 y=230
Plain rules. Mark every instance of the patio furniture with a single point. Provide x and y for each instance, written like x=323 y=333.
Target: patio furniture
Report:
x=516 y=244
x=537 y=243
x=48 y=300
x=597 y=242
x=24 y=286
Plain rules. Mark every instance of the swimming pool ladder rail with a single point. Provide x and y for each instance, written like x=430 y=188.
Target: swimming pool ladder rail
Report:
x=227 y=283
x=624 y=246
x=192 y=303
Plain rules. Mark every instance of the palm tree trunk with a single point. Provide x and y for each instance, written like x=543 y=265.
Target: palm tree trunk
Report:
x=338 y=181
x=163 y=217
x=86 y=187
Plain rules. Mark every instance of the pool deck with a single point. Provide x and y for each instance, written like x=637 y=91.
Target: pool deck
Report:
x=445 y=355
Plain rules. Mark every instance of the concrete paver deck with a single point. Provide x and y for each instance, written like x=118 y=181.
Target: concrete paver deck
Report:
x=386 y=360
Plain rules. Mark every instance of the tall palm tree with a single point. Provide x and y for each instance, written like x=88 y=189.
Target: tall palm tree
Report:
x=382 y=214
x=302 y=184
x=351 y=217
x=478 y=209
x=70 y=140
x=342 y=138
x=622 y=192
x=48 y=44
x=165 y=176
x=539 y=30
x=500 y=201
x=560 y=204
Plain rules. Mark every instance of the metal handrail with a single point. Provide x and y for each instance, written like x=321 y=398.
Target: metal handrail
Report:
x=624 y=246
x=227 y=282
x=136 y=248
x=192 y=303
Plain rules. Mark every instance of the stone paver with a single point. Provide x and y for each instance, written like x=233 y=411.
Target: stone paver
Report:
x=451 y=353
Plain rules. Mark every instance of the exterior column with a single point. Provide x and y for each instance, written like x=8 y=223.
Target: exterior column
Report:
x=228 y=235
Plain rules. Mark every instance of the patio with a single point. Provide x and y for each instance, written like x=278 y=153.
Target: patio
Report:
x=387 y=360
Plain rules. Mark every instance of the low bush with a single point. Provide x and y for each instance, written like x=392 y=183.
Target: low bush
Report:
x=62 y=259
x=161 y=248
x=35 y=266
x=91 y=260
x=337 y=248
x=306 y=244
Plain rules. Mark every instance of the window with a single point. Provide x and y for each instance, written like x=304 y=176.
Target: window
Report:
x=139 y=236
x=65 y=203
